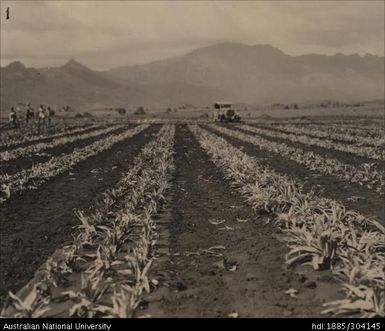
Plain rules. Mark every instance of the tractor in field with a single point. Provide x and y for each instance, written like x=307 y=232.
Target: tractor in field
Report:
x=225 y=112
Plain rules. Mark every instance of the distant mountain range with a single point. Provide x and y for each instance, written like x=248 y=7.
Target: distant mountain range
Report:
x=227 y=71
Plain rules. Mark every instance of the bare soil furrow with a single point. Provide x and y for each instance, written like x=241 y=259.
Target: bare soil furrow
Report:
x=352 y=196
x=37 y=222
x=283 y=129
x=215 y=270
x=16 y=165
x=30 y=133
x=341 y=156
x=84 y=129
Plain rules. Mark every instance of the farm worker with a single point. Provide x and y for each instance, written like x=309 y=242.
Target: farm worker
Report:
x=41 y=114
x=13 y=117
x=26 y=113
x=48 y=114
x=29 y=113
x=51 y=113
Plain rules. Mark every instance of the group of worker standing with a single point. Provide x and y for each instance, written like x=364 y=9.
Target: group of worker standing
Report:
x=44 y=116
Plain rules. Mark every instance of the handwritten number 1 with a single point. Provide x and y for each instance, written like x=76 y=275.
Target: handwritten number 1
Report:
x=7 y=12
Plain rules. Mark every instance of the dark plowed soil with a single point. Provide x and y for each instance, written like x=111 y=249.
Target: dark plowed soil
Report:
x=249 y=280
x=309 y=135
x=48 y=138
x=14 y=166
x=341 y=156
x=326 y=120
x=37 y=222
x=352 y=196
x=362 y=126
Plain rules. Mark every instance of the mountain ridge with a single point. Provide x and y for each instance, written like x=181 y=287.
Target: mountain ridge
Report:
x=235 y=71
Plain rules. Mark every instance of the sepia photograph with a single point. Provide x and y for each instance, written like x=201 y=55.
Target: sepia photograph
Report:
x=192 y=159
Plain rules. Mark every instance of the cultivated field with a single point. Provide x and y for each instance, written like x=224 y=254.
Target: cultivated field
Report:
x=179 y=218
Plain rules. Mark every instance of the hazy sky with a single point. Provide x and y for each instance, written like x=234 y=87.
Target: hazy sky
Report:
x=105 y=34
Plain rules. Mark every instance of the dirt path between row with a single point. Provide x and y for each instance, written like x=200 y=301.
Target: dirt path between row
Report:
x=37 y=222
x=87 y=128
x=344 y=157
x=282 y=130
x=249 y=280
x=16 y=165
x=367 y=201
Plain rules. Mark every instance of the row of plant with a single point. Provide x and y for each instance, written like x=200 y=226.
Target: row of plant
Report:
x=319 y=232
x=39 y=173
x=14 y=143
x=372 y=152
x=375 y=127
x=359 y=123
x=31 y=150
x=367 y=174
x=347 y=135
x=9 y=138
x=105 y=270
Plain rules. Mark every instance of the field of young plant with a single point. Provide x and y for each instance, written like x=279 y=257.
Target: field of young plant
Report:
x=161 y=219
